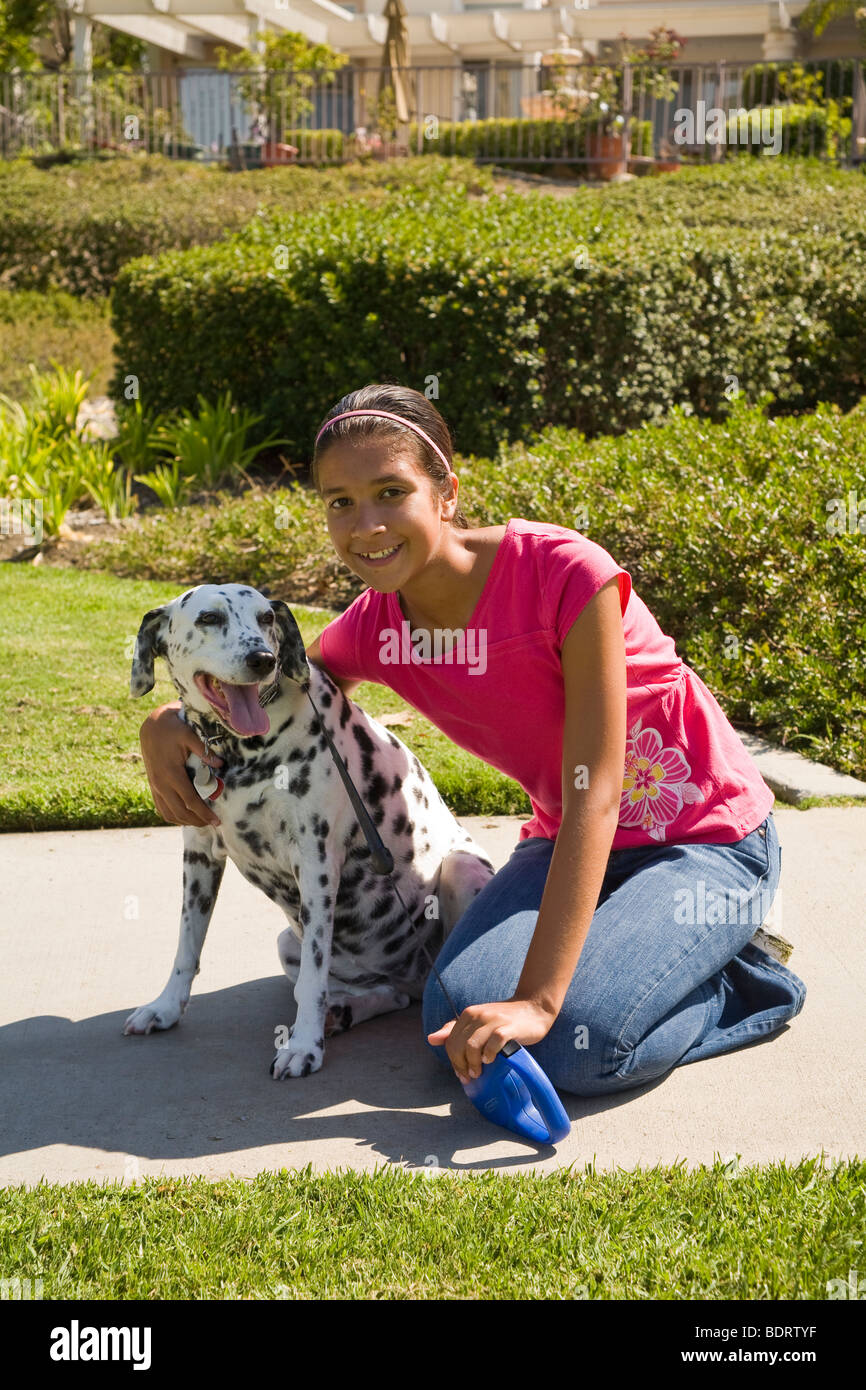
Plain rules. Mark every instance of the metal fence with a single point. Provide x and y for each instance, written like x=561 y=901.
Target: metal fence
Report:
x=495 y=112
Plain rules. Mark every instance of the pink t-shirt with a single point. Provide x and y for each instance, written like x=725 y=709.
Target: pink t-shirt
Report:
x=499 y=692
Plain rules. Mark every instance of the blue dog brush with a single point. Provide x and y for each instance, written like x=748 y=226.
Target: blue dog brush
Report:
x=512 y=1090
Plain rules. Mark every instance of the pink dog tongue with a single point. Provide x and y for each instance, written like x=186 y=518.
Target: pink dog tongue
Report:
x=246 y=715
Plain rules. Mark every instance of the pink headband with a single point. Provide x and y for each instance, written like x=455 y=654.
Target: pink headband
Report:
x=390 y=416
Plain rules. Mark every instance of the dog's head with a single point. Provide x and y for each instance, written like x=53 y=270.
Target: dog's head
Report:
x=226 y=646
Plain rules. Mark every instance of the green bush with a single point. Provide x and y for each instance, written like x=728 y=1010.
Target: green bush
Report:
x=769 y=83
x=595 y=312
x=316 y=144
x=503 y=138
x=38 y=326
x=807 y=129
x=72 y=226
x=723 y=528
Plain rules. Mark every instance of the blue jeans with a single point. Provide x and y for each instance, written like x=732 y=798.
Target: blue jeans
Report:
x=659 y=982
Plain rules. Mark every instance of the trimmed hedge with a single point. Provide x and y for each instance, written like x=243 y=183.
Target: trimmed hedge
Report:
x=598 y=311
x=72 y=226
x=501 y=138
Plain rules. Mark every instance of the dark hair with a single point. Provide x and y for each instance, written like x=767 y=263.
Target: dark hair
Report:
x=411 y=405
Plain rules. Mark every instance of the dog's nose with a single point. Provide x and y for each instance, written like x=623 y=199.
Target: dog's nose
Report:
x=261 y=662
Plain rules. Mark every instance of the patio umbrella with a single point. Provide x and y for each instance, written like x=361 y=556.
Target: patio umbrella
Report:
x=395 y=57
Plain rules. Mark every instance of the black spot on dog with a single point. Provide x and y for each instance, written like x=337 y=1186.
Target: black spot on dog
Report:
x=323 y=880
x=377 y=788
x=365 y=743
x=317 y=956
x=300 y=785
x=398 y=824
x=254 y=840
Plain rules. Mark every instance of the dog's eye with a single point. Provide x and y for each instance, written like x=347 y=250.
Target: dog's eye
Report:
x=208 y=617
x=267 y=617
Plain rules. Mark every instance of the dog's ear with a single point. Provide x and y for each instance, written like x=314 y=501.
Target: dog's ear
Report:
x=149 y=643
x=292 y=654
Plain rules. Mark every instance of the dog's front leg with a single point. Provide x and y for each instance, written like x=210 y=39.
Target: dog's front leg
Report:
x=204 y=862
x=304 y=1050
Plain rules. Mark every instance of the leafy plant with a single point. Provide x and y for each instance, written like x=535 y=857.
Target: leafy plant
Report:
x=109 y=486
x=211 y=446
x=275 y=82
x=819 y=13
x=56 y=398
x=134 y=442
x=54 y=476
x=168 y=481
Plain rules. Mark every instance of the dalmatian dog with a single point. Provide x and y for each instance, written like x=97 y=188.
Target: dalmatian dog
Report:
x=237 y=661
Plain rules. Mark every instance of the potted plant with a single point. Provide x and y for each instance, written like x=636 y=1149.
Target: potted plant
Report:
x=277 y=80
x=604 y=121
x=610 y=118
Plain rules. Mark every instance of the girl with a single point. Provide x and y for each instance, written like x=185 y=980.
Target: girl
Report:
x=617 y=940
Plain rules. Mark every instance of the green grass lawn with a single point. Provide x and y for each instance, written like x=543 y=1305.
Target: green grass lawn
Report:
x=720 y=1232
x=69 y=746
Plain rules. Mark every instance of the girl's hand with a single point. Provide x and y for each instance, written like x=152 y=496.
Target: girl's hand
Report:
x=166 y=743
x=482 y=1029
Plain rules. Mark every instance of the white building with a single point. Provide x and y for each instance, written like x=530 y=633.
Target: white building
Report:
x=453 y=32
x=474 y=60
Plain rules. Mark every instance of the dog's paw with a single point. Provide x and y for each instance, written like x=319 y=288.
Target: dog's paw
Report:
x=162 y=1013
x=297 y=1059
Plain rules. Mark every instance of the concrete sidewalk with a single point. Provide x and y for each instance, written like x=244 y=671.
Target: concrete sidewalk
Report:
x=89 y=931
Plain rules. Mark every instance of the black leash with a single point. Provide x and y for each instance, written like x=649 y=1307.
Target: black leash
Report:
x=380 y=856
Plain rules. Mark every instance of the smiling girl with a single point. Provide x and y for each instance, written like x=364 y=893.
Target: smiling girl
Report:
x=616 y=942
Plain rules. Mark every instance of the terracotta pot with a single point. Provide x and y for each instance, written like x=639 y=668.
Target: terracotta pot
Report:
x=609 y=149
x=273 y=152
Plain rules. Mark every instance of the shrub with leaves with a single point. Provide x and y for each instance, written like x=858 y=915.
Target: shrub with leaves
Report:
x=596 y=312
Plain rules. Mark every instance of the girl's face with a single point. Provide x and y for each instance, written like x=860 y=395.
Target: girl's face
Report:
x=377 y=497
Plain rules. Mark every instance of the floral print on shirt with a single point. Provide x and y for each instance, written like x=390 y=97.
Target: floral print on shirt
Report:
x=655 y=785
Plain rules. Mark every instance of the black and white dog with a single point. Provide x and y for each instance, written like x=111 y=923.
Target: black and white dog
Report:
x=239 y=666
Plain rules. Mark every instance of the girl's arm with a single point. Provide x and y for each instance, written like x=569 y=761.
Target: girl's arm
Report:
x=593 y=755
x=314 y=653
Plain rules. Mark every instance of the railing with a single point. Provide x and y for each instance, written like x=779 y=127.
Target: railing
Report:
x=588 y=115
